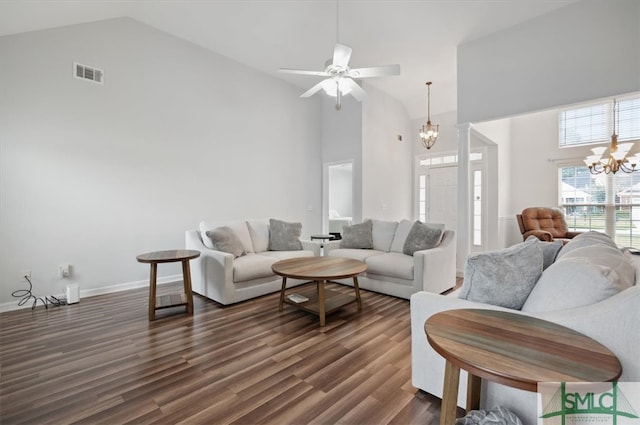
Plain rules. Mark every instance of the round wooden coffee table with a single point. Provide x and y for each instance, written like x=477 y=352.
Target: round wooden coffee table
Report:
x=512 y=349
x=320 y=270
x=171 y=300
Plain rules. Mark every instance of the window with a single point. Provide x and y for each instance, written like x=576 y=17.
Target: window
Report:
x=592 y=124
x=608 y=203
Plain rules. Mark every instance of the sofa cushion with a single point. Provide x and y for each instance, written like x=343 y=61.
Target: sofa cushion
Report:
x=422 y=236
x=391 y=264
x=504 y=277
x=358 y=236
x=252 y=266
x=224 y=239
x=284 y=236
x=259 y=232
x=239 y=228
x=583 y=276
x=383 y=232
x=356 y=254
x=402 y=231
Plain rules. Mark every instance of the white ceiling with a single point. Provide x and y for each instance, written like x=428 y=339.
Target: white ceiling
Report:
x=420 y=35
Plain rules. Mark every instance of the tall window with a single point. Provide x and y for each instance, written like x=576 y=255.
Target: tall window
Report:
x=592 y=124
x=605 y=202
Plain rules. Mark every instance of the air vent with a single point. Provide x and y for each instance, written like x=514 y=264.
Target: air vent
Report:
x=88 y=73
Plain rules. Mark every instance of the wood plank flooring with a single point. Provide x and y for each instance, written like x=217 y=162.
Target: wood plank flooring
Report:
x=102 y=362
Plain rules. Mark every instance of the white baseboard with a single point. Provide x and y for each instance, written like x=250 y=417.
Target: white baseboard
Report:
x=97 y=291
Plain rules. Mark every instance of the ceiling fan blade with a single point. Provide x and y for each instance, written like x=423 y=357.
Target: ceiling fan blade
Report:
x=313 y=90
x=375 y=71
x=356 y=91
x=341 y=55
x=302 y=72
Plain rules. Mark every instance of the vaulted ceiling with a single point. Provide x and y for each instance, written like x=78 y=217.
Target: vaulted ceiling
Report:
x=420 y=35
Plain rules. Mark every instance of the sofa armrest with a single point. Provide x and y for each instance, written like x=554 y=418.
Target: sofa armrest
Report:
x=540 y=234
x=311 y=246
x=613 y=322
x=435 y=269
x=571 y=235
x=427 y=366
x=212 y=272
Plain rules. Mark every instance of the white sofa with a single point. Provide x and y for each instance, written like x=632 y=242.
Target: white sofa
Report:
x=391 y=272
x=219 y=276
x=613 y=321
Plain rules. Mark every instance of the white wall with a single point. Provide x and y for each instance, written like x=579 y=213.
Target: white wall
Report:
x=586 y=50
x=94 y=175
x=387 y=163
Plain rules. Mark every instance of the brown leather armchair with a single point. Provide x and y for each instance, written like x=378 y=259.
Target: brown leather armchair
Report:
x=547 y=224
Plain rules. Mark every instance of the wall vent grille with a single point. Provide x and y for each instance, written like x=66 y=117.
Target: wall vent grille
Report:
x=88 y=73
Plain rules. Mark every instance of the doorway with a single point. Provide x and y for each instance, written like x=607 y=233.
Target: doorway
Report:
x=337 y=202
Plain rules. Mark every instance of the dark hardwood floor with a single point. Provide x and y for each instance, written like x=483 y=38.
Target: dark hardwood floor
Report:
x=102 y=362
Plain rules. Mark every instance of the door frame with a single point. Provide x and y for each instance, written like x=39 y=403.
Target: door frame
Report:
x=325 y=189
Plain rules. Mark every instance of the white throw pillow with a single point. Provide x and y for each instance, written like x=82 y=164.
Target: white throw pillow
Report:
x=612 y=262
x=586 y=239
x=402 y=231
x=383 y=232
x=569 y=283
x=259 y=231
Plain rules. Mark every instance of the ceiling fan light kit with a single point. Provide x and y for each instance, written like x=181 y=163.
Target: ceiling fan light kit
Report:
x=429 y=132
x=339 y=78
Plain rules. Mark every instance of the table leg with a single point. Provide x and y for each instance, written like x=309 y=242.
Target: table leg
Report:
x=357 y=288
x=321 y=308
x=284 y=287
x=449 y=394
x=186 y=281
x=473 y=392
x=152 y=291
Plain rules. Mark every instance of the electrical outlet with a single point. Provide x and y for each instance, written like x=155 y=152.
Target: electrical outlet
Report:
x=26 y=274
x=63 y=271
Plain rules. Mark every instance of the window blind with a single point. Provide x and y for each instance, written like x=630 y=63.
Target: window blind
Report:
x=591 y=124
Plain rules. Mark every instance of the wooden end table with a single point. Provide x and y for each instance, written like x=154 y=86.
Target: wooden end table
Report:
x=320 y=270
x=171 y=300
x=512 y=349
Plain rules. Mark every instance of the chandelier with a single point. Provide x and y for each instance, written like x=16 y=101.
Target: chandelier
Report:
x=617 y=159
x=429 y=132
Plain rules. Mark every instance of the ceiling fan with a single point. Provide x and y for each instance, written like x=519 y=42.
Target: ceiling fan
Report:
x=340 y=78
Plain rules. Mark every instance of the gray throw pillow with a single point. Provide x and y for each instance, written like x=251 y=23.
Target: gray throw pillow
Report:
x=359 y=236
x=225 y=239
x=549 y=251
x=284 y=236
x=421 y=236
x=505 y=277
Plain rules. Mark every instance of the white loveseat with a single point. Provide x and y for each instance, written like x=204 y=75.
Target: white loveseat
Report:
x=391 y=272
x=613 y=321
x=227 y=279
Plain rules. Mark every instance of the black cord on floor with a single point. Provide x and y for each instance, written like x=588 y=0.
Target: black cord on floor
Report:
x=26 y=295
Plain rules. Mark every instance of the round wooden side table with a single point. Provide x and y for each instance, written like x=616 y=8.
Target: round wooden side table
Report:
x=514 y=350
x=171 y=300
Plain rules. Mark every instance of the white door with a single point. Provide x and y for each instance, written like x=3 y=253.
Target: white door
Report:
x=442 y=196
